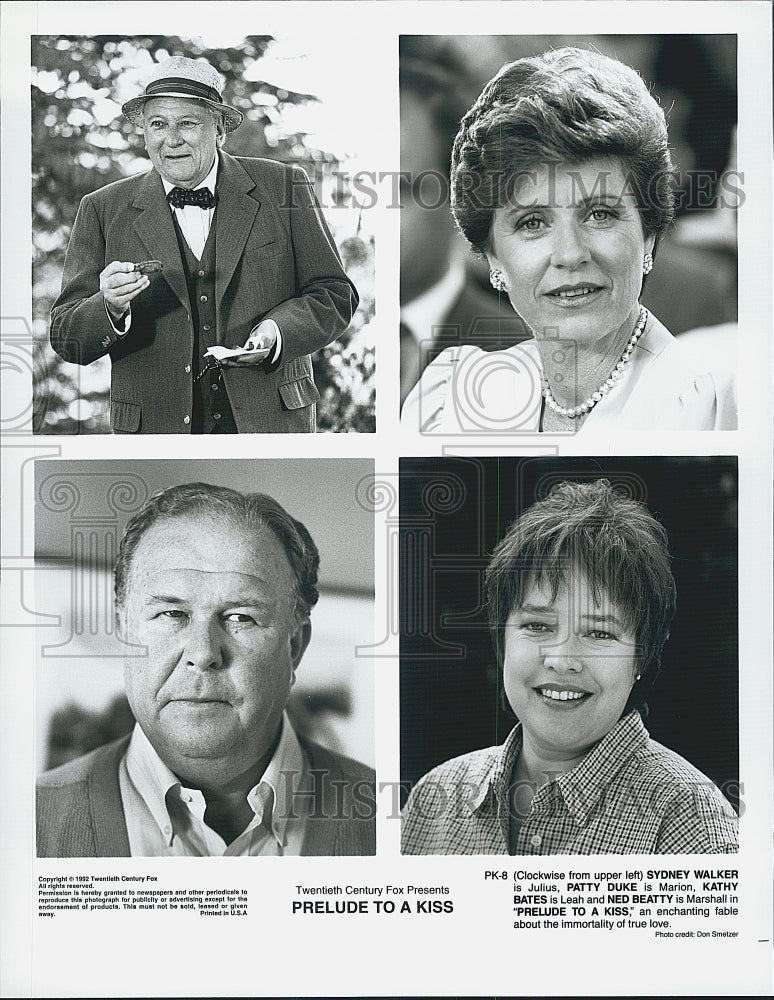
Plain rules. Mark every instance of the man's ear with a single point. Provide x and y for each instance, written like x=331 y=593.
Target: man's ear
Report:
x=299 y=640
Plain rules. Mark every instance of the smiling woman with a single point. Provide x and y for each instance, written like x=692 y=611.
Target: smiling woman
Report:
x=570 y=248
x=581 y=598
x=568 y=671
x=562 y=179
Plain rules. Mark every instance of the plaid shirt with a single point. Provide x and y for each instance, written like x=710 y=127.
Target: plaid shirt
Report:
x=629 y=795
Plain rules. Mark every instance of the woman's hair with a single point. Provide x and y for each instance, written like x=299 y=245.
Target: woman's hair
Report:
x=565 y=106
x=254 y=512
x=613 y=542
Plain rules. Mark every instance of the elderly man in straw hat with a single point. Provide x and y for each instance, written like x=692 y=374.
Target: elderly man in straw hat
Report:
x=209 y=280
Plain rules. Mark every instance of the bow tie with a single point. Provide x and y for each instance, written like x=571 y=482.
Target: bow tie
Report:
x=180 y=197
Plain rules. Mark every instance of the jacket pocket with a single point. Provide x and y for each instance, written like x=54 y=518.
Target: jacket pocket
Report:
x=298 y=392
x=125 y=417
x=277 y=248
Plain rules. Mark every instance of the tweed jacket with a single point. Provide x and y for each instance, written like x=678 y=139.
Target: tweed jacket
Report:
x=79 y=812
x=276 y=259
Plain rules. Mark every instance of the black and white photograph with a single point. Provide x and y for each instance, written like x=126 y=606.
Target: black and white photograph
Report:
x=483 y=668
x=549 y=176
x=581 y=615
x=186 y=278
x=215 y=705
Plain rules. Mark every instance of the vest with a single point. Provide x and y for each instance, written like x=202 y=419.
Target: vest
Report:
x=211 y=408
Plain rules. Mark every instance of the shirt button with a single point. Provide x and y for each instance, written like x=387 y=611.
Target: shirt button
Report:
x=216 y=416
x=202 y=298
x=214 y=387
x=188 y=369
x=186 y=419
x=200 y=273
x=536 y=840
x=207 y=326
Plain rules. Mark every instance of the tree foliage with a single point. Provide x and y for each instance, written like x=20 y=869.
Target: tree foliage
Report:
x=81 y=142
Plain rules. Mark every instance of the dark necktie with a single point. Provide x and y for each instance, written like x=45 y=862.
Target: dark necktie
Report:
x=180 y=197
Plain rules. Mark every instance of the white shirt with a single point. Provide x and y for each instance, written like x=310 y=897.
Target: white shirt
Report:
x=194 y=225
x=166 y=819
x=195 y=222
x=421 y=316
x=427 y=310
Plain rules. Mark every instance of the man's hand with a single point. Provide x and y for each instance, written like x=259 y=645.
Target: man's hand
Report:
x=262 y=338
x=259 y=346
x=120 y=283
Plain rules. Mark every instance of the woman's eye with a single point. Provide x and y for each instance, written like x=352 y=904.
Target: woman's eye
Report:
x=602 y=214
x=537 y=628
x=599 y=633
x=532 y=224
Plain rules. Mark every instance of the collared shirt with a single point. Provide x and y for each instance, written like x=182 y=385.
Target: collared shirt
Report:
x=166 y=819
x=195 y=222
x=195 y=226
x=419 y=318
x=629 y=795
x=428 y=309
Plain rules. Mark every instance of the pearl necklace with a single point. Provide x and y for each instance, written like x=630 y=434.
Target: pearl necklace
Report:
x=587 y=405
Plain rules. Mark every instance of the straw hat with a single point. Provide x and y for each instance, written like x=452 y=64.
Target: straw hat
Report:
x=183 y=77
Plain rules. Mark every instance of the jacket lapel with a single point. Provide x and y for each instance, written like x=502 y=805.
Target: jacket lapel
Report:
x=322 y=827
x=107 y=808
x=156 y=230
x=234 y=218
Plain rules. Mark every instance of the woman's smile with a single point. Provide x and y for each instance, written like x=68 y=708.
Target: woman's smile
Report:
x=561 y=696
x=575 y=297
x=570 y=245
x=569 y=667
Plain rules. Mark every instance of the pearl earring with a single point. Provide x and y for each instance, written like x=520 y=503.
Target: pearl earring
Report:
x=647 y=263
x=638 y=677
x=497 y=280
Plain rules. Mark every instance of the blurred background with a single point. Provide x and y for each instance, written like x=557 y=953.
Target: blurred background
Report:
x=452 y=514
x=294 y=97
x=693 y=286
x=81 y=512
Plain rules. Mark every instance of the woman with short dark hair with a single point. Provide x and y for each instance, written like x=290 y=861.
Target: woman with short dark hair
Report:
x=562 y=179
x=581 y=597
